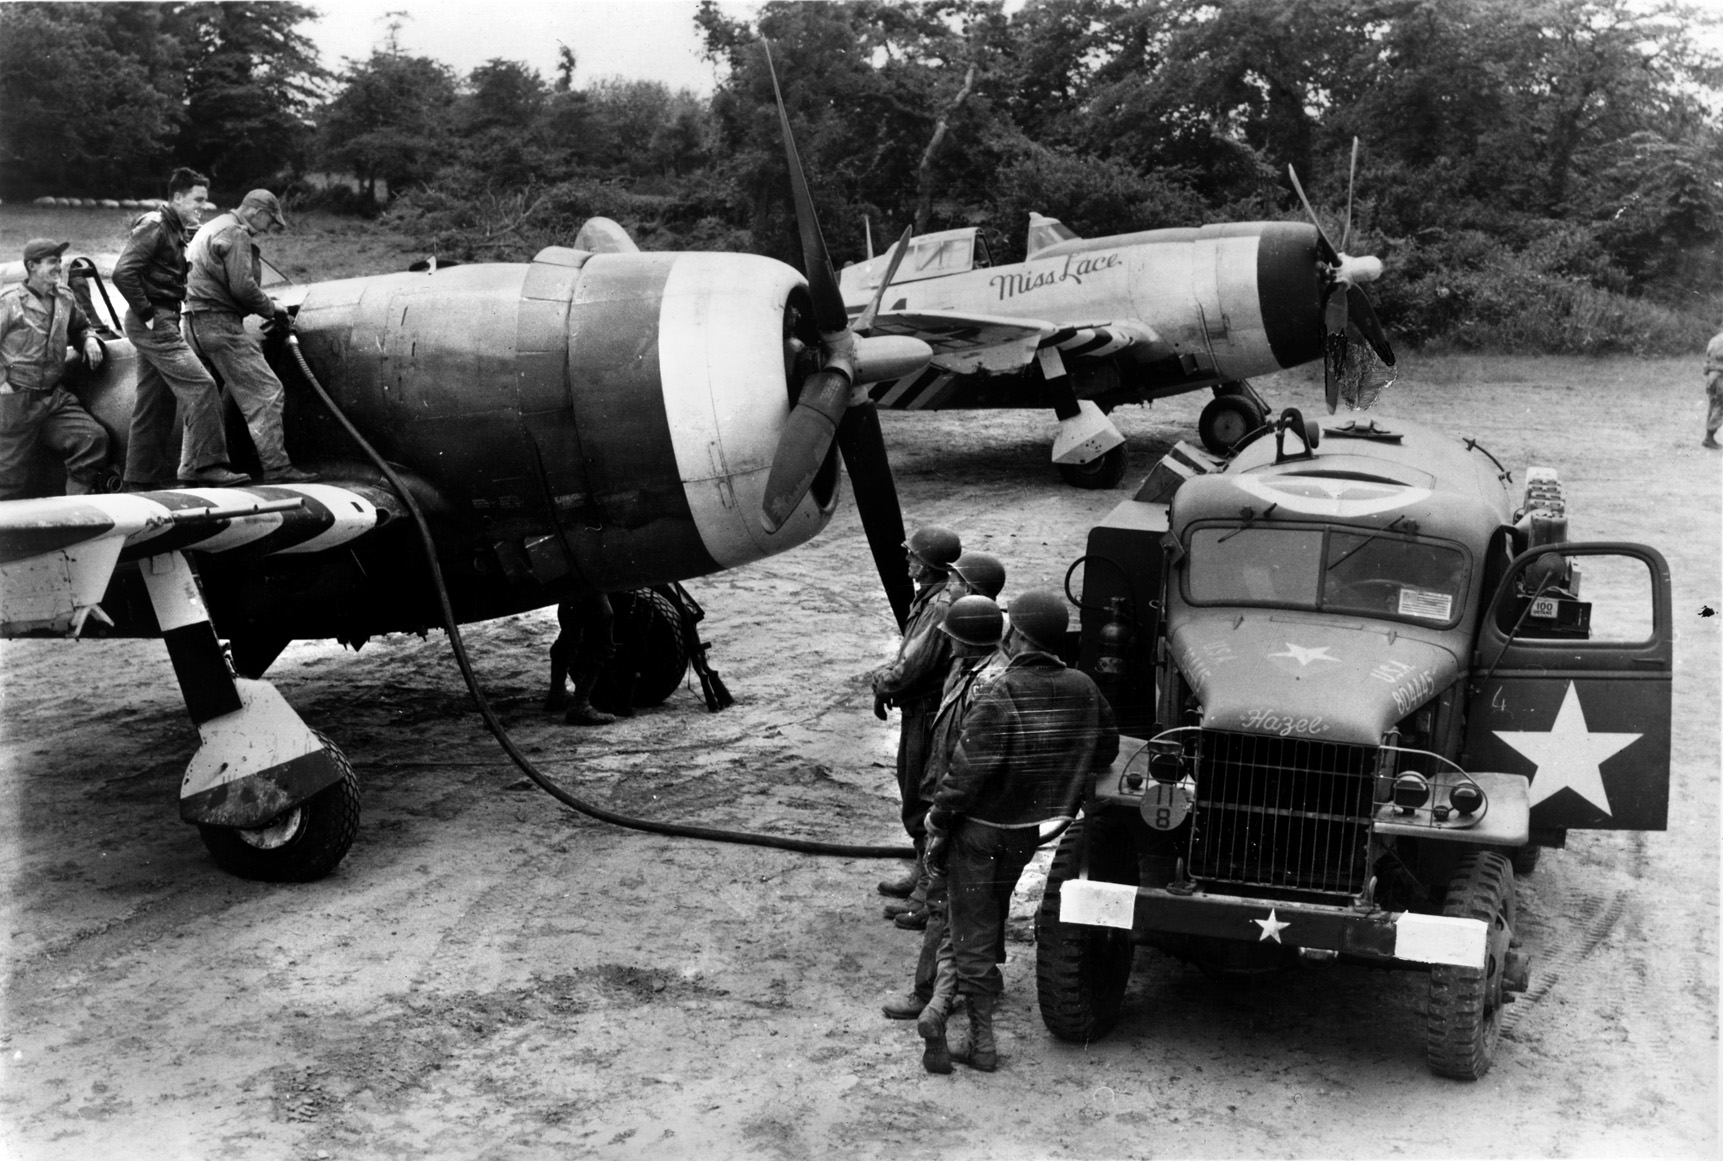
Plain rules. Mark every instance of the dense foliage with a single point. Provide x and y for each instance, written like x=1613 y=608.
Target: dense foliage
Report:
x=1537 y=174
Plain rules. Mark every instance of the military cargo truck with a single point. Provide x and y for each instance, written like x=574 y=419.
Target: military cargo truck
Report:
x=1364 y=677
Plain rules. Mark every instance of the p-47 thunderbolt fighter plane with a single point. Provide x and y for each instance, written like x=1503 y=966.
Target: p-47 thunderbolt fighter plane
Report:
x=594 y=420
x=1084 y=324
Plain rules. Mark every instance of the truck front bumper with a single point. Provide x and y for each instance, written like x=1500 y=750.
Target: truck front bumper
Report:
x=1406 y=936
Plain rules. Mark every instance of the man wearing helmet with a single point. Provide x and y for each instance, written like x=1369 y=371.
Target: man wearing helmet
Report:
x=913 y=681
x=972 y=574
x=975 y=626
x=1030 y=740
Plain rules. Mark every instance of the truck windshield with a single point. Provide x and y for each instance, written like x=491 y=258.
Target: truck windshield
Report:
x=1374 y=573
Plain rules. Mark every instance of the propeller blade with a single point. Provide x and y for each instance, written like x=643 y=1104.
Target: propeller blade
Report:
x=864 y=321
x=829 y=313
x=802 y=447
x=1333 y=255
x=867 y=227
x=1335 y=346
x=863 y=447
x=1346 y=234
x=1364 y=318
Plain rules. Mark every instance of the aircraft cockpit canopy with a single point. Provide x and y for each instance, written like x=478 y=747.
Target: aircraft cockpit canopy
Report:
x=932 y=255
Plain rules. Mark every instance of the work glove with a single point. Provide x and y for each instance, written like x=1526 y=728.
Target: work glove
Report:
x=938 y=845
x=880 y=704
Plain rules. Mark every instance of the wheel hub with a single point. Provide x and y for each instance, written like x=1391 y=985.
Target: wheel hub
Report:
x=276 y=833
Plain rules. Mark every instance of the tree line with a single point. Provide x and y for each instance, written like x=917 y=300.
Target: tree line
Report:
x=1537 y=174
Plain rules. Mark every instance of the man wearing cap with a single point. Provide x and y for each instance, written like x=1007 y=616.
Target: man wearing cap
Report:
x=38 y=320
x=222 y=287
x=151 y=274
x=1031 y=738
x=913 y=681
x=975 y=626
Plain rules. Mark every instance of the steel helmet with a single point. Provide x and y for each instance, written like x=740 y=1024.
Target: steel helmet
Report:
x=934 y=546
x=981 y=571
x=1042 y=618
x=974 y=620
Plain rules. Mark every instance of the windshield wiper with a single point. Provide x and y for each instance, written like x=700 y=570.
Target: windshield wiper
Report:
x=1334 y=564
x=1249 y=515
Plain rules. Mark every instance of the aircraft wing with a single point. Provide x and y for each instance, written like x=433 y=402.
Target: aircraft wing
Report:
x=57 y=554
x=967 y=343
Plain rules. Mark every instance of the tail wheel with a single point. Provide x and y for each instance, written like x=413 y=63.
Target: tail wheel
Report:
x=1081 y=971
x=1100 y=473
x=649 y=642
x=298 y=845
x=1464 y=1021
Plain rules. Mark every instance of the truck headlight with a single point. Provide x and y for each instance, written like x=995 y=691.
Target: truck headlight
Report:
x=1466 y=798
x=1411 y=791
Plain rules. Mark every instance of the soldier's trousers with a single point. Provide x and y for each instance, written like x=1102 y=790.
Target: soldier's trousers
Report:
x=1714 y=403
x=55 y=420
x=913 y=745
x=170 y=381
x=982 y=870
x=220 y=337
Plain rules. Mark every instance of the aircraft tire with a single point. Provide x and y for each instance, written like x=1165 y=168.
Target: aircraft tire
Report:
x=1102 y=472
x=649 y=642
x=1081 y=971
x=1226 y=420
x=1464 y=1018
x=294 y=849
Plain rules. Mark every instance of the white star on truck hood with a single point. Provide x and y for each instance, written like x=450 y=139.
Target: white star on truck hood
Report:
x=1568 y=754
x=1271 y=927
x=1304 y=655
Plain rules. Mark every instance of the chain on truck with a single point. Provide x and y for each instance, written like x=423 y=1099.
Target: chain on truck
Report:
x=1359 y=690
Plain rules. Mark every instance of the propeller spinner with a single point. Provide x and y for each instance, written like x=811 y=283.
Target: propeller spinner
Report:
x=1347 y=314
x=832 y=405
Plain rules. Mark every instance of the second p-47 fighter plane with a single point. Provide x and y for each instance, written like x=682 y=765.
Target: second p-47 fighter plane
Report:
x=1084 y=324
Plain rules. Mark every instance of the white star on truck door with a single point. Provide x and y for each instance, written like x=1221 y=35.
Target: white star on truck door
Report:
x=1568 y=754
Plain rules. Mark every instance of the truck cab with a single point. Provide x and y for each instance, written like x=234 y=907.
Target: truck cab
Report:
x=1360 y=687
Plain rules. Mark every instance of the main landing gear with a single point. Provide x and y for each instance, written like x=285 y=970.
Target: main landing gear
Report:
x=1234 y=413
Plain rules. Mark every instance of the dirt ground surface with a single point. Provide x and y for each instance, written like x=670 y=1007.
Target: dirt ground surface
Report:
x=489 y=975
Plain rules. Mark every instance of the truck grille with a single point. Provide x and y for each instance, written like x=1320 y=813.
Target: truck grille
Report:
x=1282 y=812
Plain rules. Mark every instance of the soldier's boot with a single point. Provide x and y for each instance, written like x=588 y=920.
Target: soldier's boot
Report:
x=936 y=1053
x=906 y=1006
x=981 y=1053
x=916 y=901
x=903 y=886
x=580 y=711
x=1710 y=440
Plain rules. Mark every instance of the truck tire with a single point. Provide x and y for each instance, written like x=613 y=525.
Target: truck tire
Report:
x=301 y=845
x=1526 y=859
x=1081 y=971
x=1464 y=1020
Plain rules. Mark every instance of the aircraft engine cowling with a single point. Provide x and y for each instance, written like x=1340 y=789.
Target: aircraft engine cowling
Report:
x=608 y=419
x=1259 y=286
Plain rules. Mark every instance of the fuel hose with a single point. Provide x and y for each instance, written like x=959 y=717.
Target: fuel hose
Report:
x=495 y=725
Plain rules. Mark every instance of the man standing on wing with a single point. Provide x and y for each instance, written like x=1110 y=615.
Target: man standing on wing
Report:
x=151 y=274
x=38 y=320
x=221 y=289
x=1032 y=737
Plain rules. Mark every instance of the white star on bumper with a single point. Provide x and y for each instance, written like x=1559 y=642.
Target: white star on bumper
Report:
x=1271 y=927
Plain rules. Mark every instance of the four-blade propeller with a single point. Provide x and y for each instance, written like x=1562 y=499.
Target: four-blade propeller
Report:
x=832 y=405
x=1347 y=315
